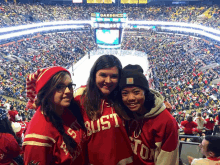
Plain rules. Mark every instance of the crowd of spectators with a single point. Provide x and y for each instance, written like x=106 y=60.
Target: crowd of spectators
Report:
x=183 y=69
x=19 y=14
x=58 y=48
x=178 y=63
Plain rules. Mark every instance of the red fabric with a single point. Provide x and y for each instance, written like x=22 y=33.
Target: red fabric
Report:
x=9 y=148
x=108 y=143
x=144 y=136
x=12 y=115
x=188 y=126
x=209 y=125
x=44 y=144
x=217 y=118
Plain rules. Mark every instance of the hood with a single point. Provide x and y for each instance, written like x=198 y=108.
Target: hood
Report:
x=158 y=108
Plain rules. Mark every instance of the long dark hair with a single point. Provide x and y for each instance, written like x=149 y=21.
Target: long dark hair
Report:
x=92 y=95
x=211 y=119
x=5 y=127
x=43 y=100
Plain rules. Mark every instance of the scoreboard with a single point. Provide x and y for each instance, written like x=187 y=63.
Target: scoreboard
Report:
x=108 y=28
x=102 y=17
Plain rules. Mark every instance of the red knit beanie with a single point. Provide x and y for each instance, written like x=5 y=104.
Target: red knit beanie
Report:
x=37 y=80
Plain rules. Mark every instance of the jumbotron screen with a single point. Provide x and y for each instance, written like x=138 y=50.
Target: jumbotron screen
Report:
x=107 y=36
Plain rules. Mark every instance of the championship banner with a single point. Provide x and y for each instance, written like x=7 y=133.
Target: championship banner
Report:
x=108 y=1
x=90 y=1
x=125 y=1
x=98 y=1
x=142 y=1
x=133 y=1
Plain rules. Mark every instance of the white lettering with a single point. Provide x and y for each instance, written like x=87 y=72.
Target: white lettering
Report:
x=98 y=126
x=71 y=133
x=89 y=131
x=63 y=146
x=152 y=153
x=105 y=122
x=142 y=152
x=145 y=152
x=136 y=142
x=101 y=124
x=116 y=119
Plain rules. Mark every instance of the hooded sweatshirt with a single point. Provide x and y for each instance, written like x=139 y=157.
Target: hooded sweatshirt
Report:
x=154 y=136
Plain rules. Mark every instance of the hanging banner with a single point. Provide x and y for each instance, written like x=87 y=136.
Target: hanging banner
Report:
x=142 y=1
x=108 y=1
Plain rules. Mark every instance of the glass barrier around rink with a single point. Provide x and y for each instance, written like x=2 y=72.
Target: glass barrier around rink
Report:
x=117 y=52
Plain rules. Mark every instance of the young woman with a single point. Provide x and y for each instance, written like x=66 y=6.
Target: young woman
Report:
x=189 y=126
x=108 y=142
x=55 y=134
x=152 y=130
x=210 y=123
x=9 y=148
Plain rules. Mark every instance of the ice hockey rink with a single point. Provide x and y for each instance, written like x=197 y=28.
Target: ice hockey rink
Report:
x=81 y=70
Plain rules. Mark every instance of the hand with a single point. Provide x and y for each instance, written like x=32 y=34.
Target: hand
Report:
x=190 y=159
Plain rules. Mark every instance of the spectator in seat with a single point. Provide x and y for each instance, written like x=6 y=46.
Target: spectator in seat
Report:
x=14 y=116
x=189 y=126
x=200 y=121
x=210 y=123
x=9 y=143
x=210 y=149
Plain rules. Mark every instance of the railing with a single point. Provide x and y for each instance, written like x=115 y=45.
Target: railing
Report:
x=216 y=130
x=189 y=148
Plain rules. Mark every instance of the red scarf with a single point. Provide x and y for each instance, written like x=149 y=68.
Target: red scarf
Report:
x=214 y=159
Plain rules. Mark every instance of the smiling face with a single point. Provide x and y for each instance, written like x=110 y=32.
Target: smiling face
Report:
x=62 y=98
x=107 y=80
x=133 y=98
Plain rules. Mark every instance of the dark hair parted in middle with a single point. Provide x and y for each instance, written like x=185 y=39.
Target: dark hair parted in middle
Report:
x=44 y=100
x=92 y=95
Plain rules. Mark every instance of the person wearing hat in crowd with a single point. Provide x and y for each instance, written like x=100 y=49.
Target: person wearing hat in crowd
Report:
x=55 y=134
x=9 y=143
x=152 y=130
x=108 y=143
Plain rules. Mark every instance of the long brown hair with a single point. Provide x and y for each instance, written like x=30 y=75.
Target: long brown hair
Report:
x=92 y=95
x=43 y=100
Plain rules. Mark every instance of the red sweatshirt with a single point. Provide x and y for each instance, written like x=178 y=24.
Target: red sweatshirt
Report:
x=9 y=149
x=210 y=125
x=43 y=143
x=188 y=126
x=108 y=141
x=154 y=136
